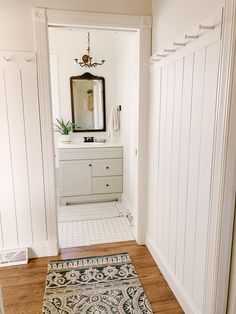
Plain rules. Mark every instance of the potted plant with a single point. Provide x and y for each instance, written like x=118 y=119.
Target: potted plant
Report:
x=64 y=128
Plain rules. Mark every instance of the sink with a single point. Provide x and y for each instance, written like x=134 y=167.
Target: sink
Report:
x=84 y=145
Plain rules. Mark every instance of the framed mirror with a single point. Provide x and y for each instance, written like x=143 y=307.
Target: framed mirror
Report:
x=88 y=103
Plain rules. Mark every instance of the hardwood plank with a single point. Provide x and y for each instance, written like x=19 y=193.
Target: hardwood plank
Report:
x=23 y=286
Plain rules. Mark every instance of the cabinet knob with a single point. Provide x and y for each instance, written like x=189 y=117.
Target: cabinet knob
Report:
x=107 y=167
x=90 y=165
x=107 y=184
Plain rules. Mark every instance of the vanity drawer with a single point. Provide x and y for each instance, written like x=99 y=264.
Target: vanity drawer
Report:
x=107 y=167
x=107 y=184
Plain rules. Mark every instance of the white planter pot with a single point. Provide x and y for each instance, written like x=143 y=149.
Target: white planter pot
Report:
x=65 y=138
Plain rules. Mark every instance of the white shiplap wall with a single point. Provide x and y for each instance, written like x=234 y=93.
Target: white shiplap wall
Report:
x=22 y=208
x=181 y=143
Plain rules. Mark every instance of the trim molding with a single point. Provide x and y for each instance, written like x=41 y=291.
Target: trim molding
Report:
x=223 y=180
x=41 y=37
x=231 y=309
x=140 y=219
x=97 y=20
x=49 y=248
x=176 y=287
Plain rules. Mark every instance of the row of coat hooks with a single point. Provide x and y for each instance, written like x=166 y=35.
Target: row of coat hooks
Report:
x=182 y=44
x=9 y=59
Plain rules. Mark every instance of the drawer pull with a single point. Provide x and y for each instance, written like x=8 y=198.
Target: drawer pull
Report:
x=107 y=167
x=90 y=165
x=107 y=184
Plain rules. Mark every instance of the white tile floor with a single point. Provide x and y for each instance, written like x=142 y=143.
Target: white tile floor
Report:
x=88 y=232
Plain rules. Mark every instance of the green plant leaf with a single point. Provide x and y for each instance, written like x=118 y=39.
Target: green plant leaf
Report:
x=64 y=127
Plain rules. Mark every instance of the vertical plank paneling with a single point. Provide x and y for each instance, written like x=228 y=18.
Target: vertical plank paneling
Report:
x=157 y=117
x=19 y=156
x=183 y=166
x=193 y=175
x=168 y=156
x=8 y=227
x=175 y=160
x=34 y=153
x=208 y=121
x=183 y=204
x=150 y=182
x=22 y=201
x=162 y=156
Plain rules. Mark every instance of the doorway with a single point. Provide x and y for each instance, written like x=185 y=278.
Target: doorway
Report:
x=87 y=212
x=140 y=24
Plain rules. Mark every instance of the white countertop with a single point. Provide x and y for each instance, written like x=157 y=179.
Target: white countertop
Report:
x=88 y=145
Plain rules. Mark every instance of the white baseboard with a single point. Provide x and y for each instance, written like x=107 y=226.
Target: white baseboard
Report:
x=1 y=302
x=177 y=288
x=52 y=248
x=48 y=248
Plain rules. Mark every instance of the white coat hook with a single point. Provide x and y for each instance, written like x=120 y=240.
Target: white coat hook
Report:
x=206 y=27
x=191 y=36
x=7 y=58
x=169 y=50
x=179 y=44
x=27 y=59
x=161 y=56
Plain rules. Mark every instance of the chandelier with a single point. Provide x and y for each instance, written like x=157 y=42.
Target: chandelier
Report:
x=87 y=59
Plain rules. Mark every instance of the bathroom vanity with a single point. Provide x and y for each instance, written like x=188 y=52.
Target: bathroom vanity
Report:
x=90 y=172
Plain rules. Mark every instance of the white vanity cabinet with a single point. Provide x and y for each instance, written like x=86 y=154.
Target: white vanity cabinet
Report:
x=90 y=173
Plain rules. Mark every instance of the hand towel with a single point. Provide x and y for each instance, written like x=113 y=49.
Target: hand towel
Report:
x=114 y=121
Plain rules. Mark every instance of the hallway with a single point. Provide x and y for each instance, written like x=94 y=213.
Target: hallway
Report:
x=26 y=283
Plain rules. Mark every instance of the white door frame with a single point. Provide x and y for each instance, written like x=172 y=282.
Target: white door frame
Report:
x=226 y=223
x=224 y=180
x=142 y=24
x=231 y=309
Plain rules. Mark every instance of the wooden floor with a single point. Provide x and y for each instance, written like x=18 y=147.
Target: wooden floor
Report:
x=23 y=286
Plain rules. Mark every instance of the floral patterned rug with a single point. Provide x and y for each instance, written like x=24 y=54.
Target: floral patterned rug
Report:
x=94 y=285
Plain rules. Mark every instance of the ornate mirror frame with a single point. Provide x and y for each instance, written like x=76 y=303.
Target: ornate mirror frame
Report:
x=88 y=76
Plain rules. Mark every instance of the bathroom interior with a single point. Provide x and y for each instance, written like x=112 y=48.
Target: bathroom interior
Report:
x=96 y=165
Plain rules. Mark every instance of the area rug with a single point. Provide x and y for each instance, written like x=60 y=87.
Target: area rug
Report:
x=94 y=285
x=89 y=211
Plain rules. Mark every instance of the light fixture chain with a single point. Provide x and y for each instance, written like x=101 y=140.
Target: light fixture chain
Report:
x=87 y=59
